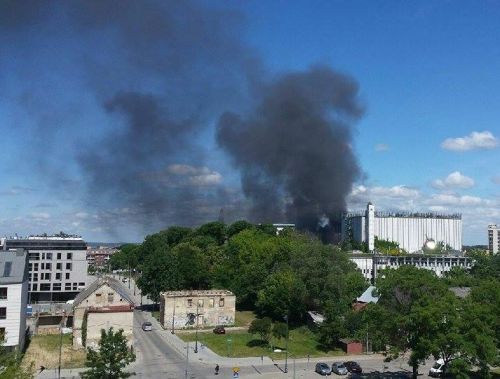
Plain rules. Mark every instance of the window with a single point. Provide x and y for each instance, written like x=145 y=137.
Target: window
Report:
x=30 y=265
x=7 y=269
x=75 y=286
x=58 y=255
x=34 y=287
x=2 y=334
x=69 y=266
x=98 y=297
x=190 y=302
x=221 y=302
x=3 y=313
x=49 y=256
x=35 y=277
x=200 y=303
x=3 y=293
x=211 y=303
x=69 y=255
x=58 y=266
x=45 y=287
x=46 y=276
x=36 y=267
x=48 y=266
x=34 y=256
x=111 y=297
x=67 y=276
x=56 y=287
x=58 y=276
x=81 y=284
x=67 y=287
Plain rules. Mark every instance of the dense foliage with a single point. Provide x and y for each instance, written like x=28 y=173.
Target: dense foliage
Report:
x=275 y=275
x=11 y=366
x=111 y=358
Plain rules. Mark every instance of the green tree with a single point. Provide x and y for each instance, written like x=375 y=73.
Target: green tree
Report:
x=280 y=330
x=111 y=358
x=192 y=265
x=262 y=327
x=11 y=364
x=215 y=230
x=237 y=227
x=283 y=295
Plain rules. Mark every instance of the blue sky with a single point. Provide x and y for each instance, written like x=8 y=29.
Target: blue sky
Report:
x=428 y=71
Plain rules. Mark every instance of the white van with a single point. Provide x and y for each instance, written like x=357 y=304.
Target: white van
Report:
x=437 y=369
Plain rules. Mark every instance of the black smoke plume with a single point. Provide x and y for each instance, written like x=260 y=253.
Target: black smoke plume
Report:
x=294 y=150
x=158 y=74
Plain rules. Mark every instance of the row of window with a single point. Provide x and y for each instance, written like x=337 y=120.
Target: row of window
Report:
x=47 y=276
x=3 y=313
x=48 y=256
x=57 y=286
x=3 y=293
x=201 y=302
x=48 y=266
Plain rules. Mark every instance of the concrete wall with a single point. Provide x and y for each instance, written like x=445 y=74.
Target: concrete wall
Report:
x=116 y=320
x=177 y=310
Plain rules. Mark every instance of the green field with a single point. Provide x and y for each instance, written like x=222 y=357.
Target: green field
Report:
x=302 y=343
x=244 y=318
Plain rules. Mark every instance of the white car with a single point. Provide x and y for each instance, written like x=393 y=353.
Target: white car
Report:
x=147 y=326
x=437 y=369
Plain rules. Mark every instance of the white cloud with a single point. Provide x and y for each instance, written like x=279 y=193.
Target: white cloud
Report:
x=455 y=180
x=40 y=215
x=81 y=215
x=475 y=140
x=400 y=191
x=380 y=147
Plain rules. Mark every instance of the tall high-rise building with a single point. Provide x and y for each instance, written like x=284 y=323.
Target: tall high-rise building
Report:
x=493 y=239
x=57 y=265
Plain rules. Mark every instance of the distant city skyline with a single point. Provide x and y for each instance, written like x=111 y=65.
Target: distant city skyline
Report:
x=76 y=159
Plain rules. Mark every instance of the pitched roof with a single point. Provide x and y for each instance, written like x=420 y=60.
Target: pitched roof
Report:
x=98 y=283
x=13 y=266
x=369 y=296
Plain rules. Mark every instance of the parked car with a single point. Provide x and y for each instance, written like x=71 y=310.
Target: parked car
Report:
x=323 y=369
x=147 y=326
x=437 y=369
x=339 y=368
x=353 y=367
x=219 y=329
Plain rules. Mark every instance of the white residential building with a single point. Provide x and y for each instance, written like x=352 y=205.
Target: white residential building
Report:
x=410 y=230
x=13 y=297
x=493 y=239
x=57 y=265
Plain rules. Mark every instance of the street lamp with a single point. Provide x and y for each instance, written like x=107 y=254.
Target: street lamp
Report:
x=286 y=344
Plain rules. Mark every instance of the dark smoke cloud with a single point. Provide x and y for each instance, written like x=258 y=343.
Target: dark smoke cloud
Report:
x=296 y=145
x=159 y=73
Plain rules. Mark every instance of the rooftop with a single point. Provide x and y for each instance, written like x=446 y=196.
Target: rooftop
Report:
x=369 y=296
x=186 y=293
x=13 y=266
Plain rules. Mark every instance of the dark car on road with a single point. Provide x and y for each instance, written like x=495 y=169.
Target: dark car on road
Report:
x=219 y=330
x=353 y=367
x=323 y=369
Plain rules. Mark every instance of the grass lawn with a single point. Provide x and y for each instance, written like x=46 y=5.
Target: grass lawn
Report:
x=43 y=350
x=242 y=344
x=156 y=315
x=244 y=318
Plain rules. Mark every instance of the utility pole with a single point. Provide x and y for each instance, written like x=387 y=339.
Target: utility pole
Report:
x=60 y=346
x=197 y=316
x=173 y=318
x=129 y=274
x=286 y=344
x=187 y=361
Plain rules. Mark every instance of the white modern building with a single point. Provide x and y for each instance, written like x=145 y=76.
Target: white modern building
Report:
x=370 y=264
x=57 y=265
x=410 y=230
x=13 y=297
x=493 y=239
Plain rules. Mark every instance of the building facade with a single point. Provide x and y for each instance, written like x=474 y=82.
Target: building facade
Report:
x=13 y=297
x=103 y=304
x=370 y=265
x=197 y=309
x=410 y=230
x=99 y=257
x=493 y=239
x=57 y=266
